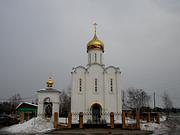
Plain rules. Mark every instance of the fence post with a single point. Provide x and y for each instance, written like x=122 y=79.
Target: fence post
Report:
x=158 y=118
x=69 y=119
x=56 y=120
x=112 y=119
x=22 y=117
x=81 y=120
x=123 y=120
x=137 y=120
x=148 y=117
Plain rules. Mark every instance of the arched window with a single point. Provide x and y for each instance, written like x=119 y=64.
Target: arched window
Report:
x=95 y=57
x=80 y=85
x=111 y=85
x=48 y=107
x=89 y=58
x=95 y=84
x=101 y=58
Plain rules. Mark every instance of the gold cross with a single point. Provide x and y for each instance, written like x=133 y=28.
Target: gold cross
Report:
x=95 y=24
x=50 y=75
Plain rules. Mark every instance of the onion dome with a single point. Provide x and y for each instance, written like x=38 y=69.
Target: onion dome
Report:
x=50 y=83
x=95 y=43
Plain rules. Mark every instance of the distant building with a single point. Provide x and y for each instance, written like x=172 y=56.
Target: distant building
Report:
x=96 y=88
x=29 y=110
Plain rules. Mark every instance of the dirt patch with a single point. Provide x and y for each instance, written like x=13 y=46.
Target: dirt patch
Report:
x=99 y=132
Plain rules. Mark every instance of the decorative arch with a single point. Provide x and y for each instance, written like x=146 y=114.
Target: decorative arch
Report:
x=96 y=110
x=47 y=105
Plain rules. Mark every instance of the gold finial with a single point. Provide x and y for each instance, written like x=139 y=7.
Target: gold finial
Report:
x=50 y=82
x=95 y=24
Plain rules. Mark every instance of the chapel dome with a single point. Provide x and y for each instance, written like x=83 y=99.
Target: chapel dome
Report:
x=95 y=43
x=50 y=82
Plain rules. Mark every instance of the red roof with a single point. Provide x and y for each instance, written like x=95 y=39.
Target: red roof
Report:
x=26 y=105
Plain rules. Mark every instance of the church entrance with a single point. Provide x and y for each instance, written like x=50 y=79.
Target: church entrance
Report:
x=47 y=107
x=96 y=113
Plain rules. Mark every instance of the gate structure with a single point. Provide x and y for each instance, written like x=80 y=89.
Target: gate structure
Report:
x=96 y=117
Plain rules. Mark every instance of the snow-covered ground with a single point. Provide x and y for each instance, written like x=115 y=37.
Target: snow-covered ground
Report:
x=40 y=125
x=156 y=128
x=34 y=125
x=63 y=120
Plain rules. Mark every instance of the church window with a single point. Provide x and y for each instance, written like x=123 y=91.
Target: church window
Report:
x=80 y=84
x=101 y=58
x=111 y=84
x=95 y=57
x=89 y=58
x=96 y=85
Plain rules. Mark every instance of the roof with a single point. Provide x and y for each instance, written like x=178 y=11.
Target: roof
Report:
x=49 y=90
x=27 y=104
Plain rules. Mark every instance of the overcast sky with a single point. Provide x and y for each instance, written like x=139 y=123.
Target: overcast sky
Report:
x=39 y=37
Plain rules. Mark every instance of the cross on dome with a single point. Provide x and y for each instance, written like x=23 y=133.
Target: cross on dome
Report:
x=95 y=24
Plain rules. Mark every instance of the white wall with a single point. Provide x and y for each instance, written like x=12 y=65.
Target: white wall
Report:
x=54 y=98
x=110 y=101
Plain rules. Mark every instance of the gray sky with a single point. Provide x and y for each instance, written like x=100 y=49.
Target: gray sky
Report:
x=41 y=37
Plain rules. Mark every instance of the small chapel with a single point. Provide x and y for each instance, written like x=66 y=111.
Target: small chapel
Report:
x=96 y=88
x=48 y=100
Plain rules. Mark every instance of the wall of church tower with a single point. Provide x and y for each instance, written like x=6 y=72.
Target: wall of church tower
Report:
x=95 y=56
x=78 y=90
x=112 y=90
x=94 y=86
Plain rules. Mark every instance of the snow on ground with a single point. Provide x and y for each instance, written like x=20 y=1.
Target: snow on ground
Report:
x=151 y=126
x=163 y=118
x=63 y=120
x=34 y=125
x=39 y=125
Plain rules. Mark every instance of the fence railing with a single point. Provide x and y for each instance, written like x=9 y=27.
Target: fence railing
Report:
x=96 y=117
x=127 y=120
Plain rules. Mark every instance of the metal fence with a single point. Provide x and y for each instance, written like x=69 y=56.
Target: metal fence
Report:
x=75 y=117
x=96 y=117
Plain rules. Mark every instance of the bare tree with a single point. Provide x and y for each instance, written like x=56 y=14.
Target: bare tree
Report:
x=14 y=101
x=123 y=97
x=65 y=104
x=137 y=98
x=167 y=103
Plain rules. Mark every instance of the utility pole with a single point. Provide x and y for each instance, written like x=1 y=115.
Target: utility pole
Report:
x=154 y=100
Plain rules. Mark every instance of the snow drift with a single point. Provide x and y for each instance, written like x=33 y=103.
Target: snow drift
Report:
x=34 y=125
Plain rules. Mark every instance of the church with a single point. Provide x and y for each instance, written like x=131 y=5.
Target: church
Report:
x=96 y=88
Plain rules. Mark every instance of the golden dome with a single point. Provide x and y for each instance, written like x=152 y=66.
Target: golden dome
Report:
x=50 y=83
x=95 y=43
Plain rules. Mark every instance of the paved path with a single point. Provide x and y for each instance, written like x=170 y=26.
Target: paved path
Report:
x=99 y=131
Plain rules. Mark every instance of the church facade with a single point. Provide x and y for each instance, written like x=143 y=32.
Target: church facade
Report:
x=96 y=89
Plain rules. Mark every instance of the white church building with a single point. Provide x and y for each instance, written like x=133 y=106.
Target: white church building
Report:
x=96 y=88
